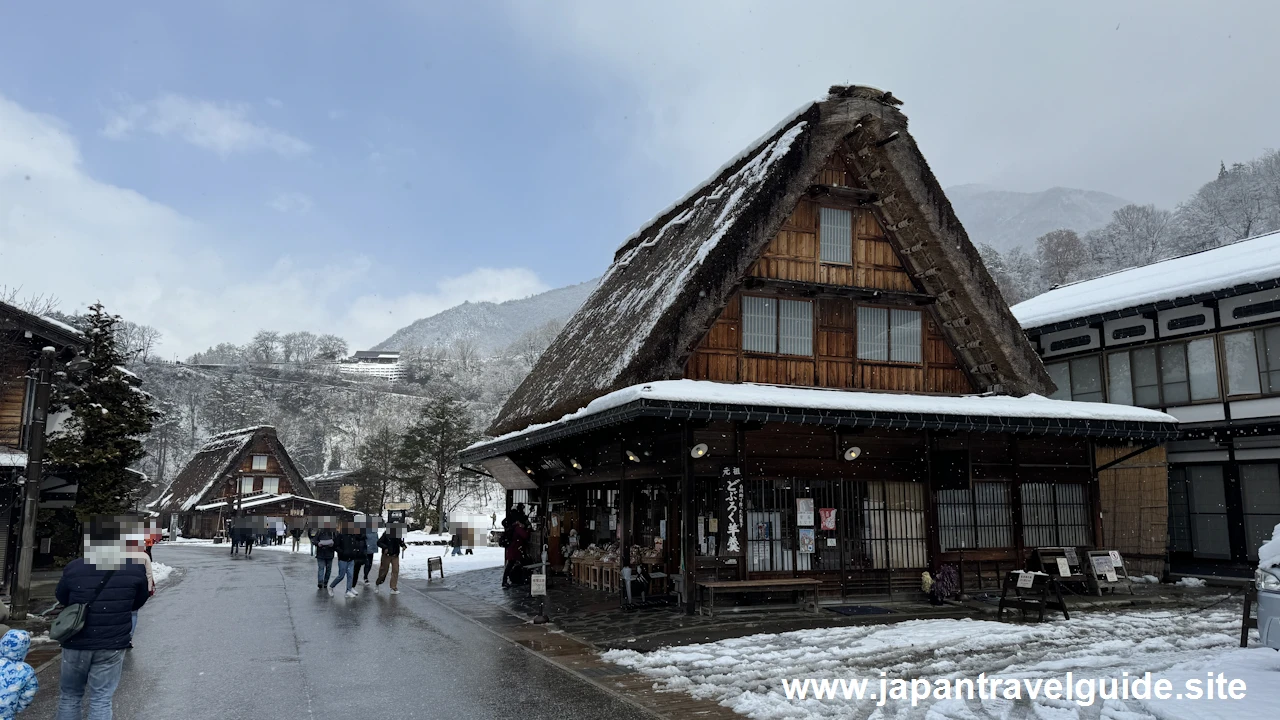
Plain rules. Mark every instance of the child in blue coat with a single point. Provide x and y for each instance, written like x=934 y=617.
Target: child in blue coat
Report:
x=18 y=683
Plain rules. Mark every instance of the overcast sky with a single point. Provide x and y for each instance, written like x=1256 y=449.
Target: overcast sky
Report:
x=217 y=168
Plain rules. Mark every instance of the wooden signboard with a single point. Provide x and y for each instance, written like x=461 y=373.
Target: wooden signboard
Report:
x=435 y=564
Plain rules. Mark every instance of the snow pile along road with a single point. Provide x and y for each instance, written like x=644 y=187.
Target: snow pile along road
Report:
x=160 y=572
x=746 y=674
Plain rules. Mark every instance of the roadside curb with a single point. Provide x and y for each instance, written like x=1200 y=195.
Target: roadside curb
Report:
x=582 y=660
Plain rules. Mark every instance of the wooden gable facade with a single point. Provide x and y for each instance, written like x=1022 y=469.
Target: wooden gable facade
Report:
x=813 y=336
x=872 y=275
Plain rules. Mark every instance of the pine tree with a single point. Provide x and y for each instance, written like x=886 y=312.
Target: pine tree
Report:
x=110 y=415
x=428 y=458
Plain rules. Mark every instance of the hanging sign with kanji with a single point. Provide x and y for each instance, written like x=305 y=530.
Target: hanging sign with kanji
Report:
x=732 y=502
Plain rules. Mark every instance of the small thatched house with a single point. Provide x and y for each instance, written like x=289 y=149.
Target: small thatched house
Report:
x=247 y=471
x=802 y=370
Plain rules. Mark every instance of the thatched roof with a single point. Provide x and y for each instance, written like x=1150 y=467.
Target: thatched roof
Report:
x=220 y=458
x=669 y=282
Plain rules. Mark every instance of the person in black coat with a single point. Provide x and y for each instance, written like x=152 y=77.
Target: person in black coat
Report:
x=322 y=541
x=392 y=544
x=350 y=546
x=113 y=590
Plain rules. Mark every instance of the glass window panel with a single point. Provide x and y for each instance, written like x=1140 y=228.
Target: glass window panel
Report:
x=246 y=485
x=1259 y=529
x=1086 y=379
x=759 y=324
x=1146 y=377
x=835 y=237
x=1261 y=485
x=795 y=327
x=1209 y=534
x=904 y=336
x=1061 y=375
x=1173 y=374
x=873 y=333
x=1242 y=364
x=1269 y=359
x=1179 y=512
x=271 y=485
x=259 y=462
x=1119 y=380
x=1202 y=369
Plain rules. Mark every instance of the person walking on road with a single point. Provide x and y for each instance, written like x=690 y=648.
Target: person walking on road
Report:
x=296 y=534
x=350 y=546
x=517 y=536
x=392 y=544
x=322 y=544
x=370 y=546
x=456 y=543
x=111 y=590
x=311 y=538
x=135 y=554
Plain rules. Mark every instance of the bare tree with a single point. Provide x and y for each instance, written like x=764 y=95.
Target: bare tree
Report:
x=1062 y=254
x=34 y=304
x=467 y=352
x=1242 y=202
x=331 y=348
x=265 y=346
x=1136 y=235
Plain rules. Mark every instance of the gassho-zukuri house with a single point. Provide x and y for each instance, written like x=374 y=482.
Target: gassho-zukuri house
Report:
x=803 y=369
x=246 y=471
x=1198 y=337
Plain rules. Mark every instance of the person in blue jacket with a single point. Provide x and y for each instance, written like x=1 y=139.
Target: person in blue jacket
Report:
x=18 y=682
x=113 y=590
x=370 y=545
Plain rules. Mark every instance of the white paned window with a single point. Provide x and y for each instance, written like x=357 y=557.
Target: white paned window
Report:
x=259 y=462
x=1086 y=379
x=892 y=335
x=271 y=485
x=873 y=333
x=1269 y=359
x=246 y=485
x=904 y=336
x=1242 y=364
x=759 y=324
x=795 y=327
x=1119 y=380
x=1060 y=373
x=835 y=237
x=1173 y=375
x=1202 y=366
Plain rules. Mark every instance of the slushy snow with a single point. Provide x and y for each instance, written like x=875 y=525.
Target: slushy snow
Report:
x=745 y=674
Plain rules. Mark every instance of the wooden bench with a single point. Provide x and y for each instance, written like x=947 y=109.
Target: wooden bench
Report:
x=801 y=586
x=1042 y=593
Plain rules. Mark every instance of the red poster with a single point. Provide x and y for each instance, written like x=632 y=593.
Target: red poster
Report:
x=828 y=516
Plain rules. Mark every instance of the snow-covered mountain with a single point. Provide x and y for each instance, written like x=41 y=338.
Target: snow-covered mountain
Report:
x=491 y=326
x=1004 y=219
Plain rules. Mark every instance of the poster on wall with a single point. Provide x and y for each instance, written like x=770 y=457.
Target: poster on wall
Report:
x=804 y=512
x=828 y=516
x=732 y=509
x=807 y=541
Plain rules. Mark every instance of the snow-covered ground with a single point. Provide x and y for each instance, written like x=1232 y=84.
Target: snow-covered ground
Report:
x=413 y=562
x=746 y=674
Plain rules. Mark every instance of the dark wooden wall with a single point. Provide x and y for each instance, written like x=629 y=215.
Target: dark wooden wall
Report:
x=793 y=256
x=834 y=364
x=274 y=469
x=13 y=393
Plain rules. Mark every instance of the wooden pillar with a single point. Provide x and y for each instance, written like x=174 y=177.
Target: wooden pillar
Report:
x=687 y=530
x=624 y=521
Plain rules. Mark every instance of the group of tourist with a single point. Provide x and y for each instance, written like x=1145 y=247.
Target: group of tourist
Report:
x=354 y=543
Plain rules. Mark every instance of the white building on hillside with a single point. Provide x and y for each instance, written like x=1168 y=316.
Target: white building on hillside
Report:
x=384 y=364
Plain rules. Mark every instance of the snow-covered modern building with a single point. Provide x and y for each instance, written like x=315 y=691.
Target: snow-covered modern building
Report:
x=383 y=364
x=1197 y=337
x=246 y=471
x=803 y=371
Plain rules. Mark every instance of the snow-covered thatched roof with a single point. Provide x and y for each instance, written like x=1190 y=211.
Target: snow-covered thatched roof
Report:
x=669 y=281
x=220 y=459
x=1221 y=272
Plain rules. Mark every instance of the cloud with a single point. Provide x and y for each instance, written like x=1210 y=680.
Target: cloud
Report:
x=65 y=233
x=291 y=202
x=276 y=103
x=223 y=127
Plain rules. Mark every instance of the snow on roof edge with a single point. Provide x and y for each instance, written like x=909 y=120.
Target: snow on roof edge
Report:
x=1249 y=260
x=1029 y=406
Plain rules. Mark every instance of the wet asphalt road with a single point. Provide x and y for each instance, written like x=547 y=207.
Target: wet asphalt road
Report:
x=252 y=638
